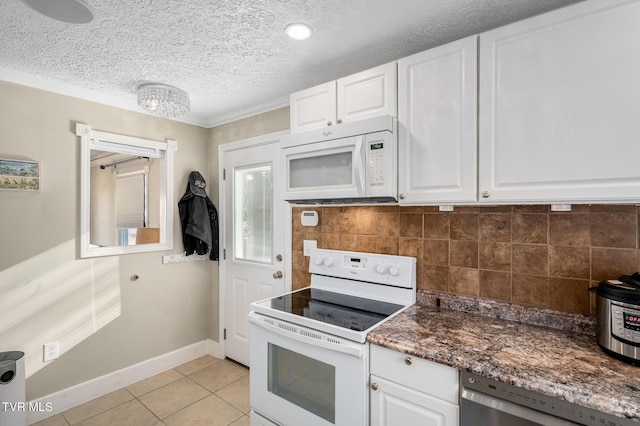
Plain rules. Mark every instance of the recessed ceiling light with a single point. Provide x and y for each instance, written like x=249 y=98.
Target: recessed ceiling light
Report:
x=298 y=31
x=70 y=11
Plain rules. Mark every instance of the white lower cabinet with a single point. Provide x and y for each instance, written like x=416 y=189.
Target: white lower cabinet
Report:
x=406 y=390
x=393 y=404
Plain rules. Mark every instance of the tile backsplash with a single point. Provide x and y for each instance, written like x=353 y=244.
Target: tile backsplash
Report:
x=521 y=254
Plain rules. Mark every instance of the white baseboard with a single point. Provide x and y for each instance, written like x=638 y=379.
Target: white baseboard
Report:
x=65 y=399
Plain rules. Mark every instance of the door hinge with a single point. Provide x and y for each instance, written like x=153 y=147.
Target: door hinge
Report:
x=224 y=174
x=224 y=254
x=224 y=334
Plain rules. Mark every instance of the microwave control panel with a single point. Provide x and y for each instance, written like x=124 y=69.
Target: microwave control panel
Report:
x=376 y=163
x=625 y=323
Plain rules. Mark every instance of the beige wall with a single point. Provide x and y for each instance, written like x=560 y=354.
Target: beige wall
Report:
x=261 y=124
x=103 y=320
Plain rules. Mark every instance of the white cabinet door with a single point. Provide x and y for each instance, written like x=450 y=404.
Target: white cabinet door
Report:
x=367 y=94
x=437 y=124
x=559 y=106
x=395 y=405
x=313 y=108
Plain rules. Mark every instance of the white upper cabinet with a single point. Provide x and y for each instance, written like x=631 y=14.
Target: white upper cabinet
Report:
x=560 y=106
x=313 y=108
x=367 y=94
x=437 y=125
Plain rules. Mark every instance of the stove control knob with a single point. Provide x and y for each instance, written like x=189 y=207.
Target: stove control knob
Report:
x=393 y=270
x=380 y=268
x=328 y=261
x=317 y=261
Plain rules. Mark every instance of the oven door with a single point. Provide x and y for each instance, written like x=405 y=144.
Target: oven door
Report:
x=301 y=376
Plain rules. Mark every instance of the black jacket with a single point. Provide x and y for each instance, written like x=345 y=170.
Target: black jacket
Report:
x=199 y=219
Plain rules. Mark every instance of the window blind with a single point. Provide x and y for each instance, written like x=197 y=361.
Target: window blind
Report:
x=130 y=201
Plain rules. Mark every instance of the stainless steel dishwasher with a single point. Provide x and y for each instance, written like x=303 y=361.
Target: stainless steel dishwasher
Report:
x=486 y=402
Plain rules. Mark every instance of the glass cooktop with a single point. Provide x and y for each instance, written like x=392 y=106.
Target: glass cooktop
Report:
x=350 y=312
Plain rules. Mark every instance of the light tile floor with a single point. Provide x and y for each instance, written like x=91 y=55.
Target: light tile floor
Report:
x=206 y=391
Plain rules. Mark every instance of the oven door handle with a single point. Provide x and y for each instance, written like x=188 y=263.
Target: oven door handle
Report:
x=508 y=407
x=292 y=331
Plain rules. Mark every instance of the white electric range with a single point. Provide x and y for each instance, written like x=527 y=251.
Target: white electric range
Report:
x=309 y=356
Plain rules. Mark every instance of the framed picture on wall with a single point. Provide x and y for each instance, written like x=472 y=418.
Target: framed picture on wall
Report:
x=19 y=175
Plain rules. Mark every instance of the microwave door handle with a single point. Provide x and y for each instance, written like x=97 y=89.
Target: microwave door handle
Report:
x=358 y=171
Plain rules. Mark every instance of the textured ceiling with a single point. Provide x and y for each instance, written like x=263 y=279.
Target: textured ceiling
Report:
x=231 y=56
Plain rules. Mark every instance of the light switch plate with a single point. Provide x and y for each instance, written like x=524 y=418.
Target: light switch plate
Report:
x=308 y=246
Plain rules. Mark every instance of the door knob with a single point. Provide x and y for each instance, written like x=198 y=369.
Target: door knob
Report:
x=374 y=386
x=277 y=275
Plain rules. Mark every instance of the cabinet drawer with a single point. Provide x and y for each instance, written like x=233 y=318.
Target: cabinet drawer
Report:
x=416 y=373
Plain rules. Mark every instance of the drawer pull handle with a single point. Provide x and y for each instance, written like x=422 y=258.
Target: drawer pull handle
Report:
x=408 y=361
x=374 y=386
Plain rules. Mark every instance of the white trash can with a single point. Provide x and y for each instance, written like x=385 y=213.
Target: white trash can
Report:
x=13 y=411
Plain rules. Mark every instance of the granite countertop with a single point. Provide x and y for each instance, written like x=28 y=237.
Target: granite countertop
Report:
x=558 y=363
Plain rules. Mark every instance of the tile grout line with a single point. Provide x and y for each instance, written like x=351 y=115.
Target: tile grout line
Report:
x=138 y=398
x=174 y=412
x=101 y=412
x=161 y=420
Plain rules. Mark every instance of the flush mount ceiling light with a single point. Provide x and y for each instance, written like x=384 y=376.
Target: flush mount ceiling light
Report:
x=298 y=31
x=163 y=100
x=69 y=11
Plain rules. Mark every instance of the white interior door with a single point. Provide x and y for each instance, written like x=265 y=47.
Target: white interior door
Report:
x=253 y=266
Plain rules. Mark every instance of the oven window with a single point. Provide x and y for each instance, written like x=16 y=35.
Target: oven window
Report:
x=306 y=382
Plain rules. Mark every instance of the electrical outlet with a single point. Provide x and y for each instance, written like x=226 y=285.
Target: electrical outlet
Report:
x=50 y=351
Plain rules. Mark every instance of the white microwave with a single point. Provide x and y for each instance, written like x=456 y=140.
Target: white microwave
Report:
x=352 y=162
